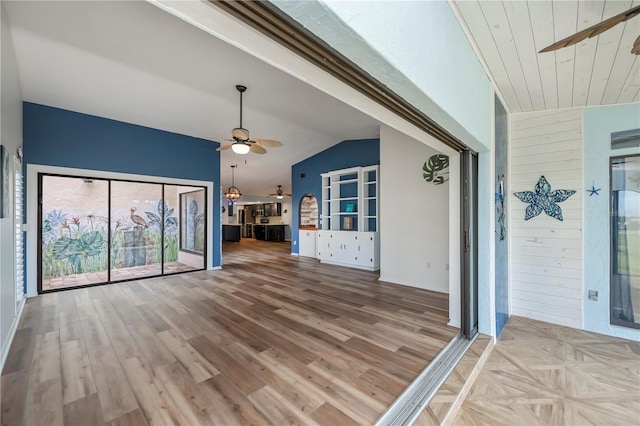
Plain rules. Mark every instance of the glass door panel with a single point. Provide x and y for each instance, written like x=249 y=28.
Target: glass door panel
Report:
x=191 y=230
x=137 y=215
x=73 y=232
x=625 y=241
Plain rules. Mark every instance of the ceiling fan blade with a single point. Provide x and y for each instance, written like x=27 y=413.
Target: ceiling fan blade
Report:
x=636 y=47
x=257 y=149
x=223 y=147
x=267 y=142
x=594 y=30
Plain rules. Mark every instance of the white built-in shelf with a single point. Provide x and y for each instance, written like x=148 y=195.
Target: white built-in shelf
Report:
x=340 y=189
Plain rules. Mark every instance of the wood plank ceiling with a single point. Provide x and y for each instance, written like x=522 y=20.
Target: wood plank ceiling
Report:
x=597 y=71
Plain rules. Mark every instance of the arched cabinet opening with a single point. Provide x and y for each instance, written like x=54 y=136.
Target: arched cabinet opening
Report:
x=309 y=212
x=309 y=215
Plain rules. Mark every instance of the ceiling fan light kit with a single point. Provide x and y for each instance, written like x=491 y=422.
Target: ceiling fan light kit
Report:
x=241 y=143
x=241 y=148
x=279 y=194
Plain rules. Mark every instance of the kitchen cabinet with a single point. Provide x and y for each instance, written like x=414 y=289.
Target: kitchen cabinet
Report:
x=231 y=232
x=269 y=232
x=349 y=248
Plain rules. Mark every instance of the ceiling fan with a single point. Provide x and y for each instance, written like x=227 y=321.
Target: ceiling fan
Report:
x=598 y=29
x=279 y=194
x=241 y=143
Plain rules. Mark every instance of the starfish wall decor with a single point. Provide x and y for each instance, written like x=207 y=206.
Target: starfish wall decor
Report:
x=594 y=191
x=543 y=199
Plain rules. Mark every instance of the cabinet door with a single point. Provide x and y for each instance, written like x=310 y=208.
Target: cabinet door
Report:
x=367 y=249
x=308 y=243
x=324 y=245
x=345 y=247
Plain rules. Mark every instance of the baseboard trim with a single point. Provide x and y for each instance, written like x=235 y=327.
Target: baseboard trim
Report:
x=12 y=334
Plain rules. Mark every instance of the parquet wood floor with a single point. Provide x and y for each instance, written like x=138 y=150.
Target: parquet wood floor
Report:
x=270 y=339
x=545 y=374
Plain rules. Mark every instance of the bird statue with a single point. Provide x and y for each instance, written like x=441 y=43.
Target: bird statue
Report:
x=138 y=220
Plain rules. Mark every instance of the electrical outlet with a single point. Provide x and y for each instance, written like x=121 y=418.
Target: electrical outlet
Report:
x=593 y=294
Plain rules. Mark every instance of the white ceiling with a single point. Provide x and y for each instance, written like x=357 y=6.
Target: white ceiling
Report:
x=133 y=62
x=597 y=71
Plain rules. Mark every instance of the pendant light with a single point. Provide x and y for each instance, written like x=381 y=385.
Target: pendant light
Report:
x=232 y=193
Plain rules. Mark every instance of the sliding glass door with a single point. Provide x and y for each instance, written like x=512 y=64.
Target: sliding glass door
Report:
x=96 y=231
x=73 y=232
x=136 y=238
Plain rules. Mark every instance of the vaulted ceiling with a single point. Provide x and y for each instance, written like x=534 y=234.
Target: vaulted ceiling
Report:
x=597 y=71
x=134 y=62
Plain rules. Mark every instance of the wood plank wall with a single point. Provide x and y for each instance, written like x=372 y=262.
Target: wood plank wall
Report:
x=546 y=260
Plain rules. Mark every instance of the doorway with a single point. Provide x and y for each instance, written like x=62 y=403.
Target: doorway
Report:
x=98 y=230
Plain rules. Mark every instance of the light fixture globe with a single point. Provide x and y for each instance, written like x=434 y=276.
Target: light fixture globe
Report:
x=240 y=148
x=232 y=194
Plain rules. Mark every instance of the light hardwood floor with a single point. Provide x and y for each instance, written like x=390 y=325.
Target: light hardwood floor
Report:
x=546 y=374
x=270 y=339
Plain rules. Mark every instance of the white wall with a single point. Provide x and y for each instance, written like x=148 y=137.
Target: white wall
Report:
x=414 y=216
x=546 y=254
x=422 y=54
x=599 y=123
x=10 y=138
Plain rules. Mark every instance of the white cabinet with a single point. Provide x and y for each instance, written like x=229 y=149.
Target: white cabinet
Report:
x=307 y=240
x=349 y=248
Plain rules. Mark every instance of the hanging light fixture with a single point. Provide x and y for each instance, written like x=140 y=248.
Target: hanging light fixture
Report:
x=232 y=193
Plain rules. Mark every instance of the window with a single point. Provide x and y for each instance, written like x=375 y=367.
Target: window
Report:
x=625 y=241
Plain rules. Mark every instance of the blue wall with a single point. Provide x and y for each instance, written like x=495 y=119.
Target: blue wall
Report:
x=599 y=123
x=353 y=153
x=57 y=137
